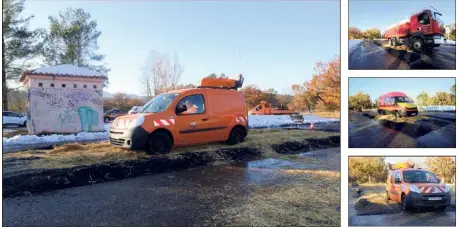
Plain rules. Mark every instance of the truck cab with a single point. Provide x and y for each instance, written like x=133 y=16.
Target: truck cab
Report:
x=396 y=103
x=428 y=28
x=213 y=112
x=423 y=30
x=415 y=188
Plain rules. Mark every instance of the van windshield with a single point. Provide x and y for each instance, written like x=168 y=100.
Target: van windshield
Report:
x=402 y=99
x=159 y=103
x=419 y=176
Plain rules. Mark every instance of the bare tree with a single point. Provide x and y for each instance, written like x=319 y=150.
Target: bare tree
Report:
x=120 y=99
x=176 y=72
x=160 y=74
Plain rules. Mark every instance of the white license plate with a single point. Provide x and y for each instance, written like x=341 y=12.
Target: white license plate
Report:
x=434 y=198
x=412 y=114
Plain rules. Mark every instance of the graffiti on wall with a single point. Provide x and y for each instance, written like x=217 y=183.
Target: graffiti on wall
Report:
x=88 y=118
x=65 y=110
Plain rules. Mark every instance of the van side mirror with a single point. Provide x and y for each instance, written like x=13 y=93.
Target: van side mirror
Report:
x=181 y=108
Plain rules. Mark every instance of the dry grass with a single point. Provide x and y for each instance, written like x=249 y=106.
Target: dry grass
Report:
x=400 y=48
x=325 y=114
x=314 y=200
x=409 y=119
x=373 y=203
x=71 y=155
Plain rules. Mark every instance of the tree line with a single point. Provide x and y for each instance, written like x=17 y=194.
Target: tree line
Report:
x=371 y=33
x=322 y=92
x=375 y=169
x=71 y=38
x=362 y=100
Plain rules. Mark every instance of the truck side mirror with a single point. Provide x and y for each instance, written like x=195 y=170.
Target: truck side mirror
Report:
x=181 y=108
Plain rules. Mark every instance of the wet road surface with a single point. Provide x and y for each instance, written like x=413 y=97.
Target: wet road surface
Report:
x=184 y=198
x=427 y=218
x=371 y=55
x=365 y=132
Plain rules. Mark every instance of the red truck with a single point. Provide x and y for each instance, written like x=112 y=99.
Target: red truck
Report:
x=423 y=30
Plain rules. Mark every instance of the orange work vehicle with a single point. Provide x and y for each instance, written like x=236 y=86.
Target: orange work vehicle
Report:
x=265 y=109
x=396 y=103
x=415 y=188
x=213 y=112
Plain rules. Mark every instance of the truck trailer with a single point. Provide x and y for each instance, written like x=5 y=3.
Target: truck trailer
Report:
x=422 y=31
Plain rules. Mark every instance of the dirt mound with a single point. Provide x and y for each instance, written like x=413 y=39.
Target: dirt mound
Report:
x=375 y=204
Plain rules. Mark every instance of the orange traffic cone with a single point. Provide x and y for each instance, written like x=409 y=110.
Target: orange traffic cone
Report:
x=311 y=126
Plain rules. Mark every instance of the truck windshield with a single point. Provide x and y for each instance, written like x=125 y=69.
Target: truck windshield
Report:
x=402 y=99
x=159 y=103
x=437 y=16
x=419 y=176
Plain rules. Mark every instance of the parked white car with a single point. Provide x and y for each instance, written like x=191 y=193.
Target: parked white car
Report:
x=135 y=109
x=12 y=118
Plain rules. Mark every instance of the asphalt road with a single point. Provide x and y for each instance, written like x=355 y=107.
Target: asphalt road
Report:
x=185 y=198
x=368 y=133
x=371 y=55
x=424 y=218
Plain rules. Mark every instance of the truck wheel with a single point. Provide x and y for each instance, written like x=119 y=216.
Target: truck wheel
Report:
x=387 y=196
x=236 y=136
x=394 y=42
x=404 y=202
x=418 y=45
x=159 y=142
x=390 y=42
x=106 y=120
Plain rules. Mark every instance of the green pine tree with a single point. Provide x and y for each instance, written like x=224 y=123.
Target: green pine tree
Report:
x=72 y=39
x=19 y=44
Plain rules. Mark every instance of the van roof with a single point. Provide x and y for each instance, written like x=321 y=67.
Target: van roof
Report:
x=206 y=88
x=395 y=93
x=405 y=169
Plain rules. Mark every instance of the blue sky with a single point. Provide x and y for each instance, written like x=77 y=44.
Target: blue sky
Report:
x=376 y=87
x=274 y=44
x=379 y=14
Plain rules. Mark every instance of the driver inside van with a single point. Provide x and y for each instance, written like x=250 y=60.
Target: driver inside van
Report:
x=191 y=108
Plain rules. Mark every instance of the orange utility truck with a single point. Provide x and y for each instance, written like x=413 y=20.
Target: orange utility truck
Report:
x=215 y=111
x=416 y=187
x=266 y=109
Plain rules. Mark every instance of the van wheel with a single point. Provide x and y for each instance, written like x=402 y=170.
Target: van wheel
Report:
x=387 y=196
x=160 y=143
x=418 y=45
x=404 y=202
x=397 y=114
x=236 y=136
x=25 y=124
x=106 y=120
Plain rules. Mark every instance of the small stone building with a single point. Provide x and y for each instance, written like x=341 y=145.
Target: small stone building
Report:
x=64 y=99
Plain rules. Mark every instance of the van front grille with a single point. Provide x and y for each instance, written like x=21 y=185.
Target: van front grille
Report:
x=118 y=142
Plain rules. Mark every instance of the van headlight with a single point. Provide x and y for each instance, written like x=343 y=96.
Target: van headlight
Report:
x=446 y=189
x=414 y=188
x=137 y=122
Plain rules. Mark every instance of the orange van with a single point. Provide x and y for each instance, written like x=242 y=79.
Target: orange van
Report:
x=213 y=112
x=415 y=188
